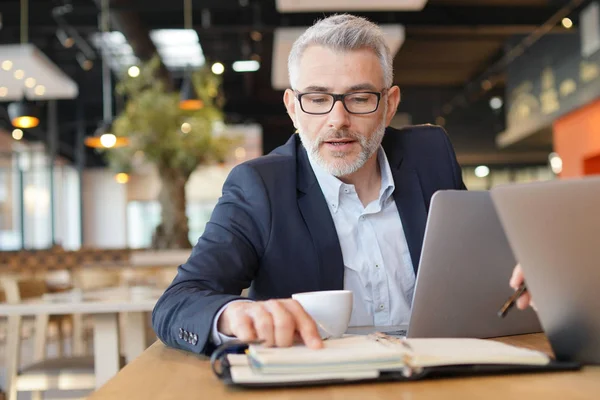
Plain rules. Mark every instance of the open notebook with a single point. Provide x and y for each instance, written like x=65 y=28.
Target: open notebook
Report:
x=378 y=357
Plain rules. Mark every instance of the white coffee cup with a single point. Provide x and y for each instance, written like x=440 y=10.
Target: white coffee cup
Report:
x=330 y=309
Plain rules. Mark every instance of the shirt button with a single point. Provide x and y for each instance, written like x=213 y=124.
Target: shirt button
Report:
x=381 y=306
x=362 y=218
x=346 y=191
x=376 y=265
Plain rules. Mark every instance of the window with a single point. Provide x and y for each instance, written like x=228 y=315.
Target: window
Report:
x=144 y=216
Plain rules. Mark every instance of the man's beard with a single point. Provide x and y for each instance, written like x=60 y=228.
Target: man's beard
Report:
x=340 y=166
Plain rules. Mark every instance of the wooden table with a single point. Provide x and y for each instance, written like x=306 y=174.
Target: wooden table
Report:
x=165 y=373
x=104 y=305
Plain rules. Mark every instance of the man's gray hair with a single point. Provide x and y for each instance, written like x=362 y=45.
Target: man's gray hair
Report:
x=342 y=33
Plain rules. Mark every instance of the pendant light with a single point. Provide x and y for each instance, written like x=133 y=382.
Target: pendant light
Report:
x=189 y=99
x=24 y=114
x=103 y=137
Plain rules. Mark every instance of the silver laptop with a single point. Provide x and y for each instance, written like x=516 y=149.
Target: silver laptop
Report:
x=554 y=230
x=462 y=281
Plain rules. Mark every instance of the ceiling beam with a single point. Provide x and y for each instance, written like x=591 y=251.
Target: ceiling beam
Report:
x=503 y=158
x=433 y=30
x=231 y=11
x=479 y=30
x=128 y=15
x=163 y=13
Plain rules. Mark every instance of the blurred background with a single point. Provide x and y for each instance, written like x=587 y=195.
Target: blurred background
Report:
x=512 y=82
x=120 y=119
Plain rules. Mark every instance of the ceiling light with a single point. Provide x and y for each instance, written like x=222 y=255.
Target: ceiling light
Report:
x=178 y=48
x=189 y=99
x=186 y=127
x=256 y=36
x=35 y=64
x=122 y=178
x=246 y=66
x=85 y=63
x=482 y=171
x=23 y=114
x=19 y=74
x=7 y=65
x=567 y=23
x=115 y=49
x=133 y=71
x=297 y=6
x=39 y=90
x=486 y=85
x=218 y=68
x=556 y=163
x=496 y=103
x=108 y=140
x=65 y=39
x=17 y=134
x=104 y=139
x=3 y=91
x=30 y=82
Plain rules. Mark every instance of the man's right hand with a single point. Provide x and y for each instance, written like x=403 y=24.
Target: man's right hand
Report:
x=276 y=322
x=516 y=280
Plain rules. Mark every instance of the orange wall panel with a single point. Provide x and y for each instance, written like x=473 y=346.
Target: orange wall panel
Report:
x=577 y=139
x=591 y=166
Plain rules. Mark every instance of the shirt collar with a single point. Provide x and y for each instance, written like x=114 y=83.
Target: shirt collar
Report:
x=331 y=186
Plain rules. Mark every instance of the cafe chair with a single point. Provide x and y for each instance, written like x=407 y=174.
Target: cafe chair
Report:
x=60 y=373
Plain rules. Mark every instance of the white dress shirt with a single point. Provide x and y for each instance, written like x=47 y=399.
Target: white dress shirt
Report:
x=377 y=264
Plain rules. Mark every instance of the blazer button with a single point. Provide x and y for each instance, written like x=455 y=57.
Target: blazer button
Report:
x=195 y=339
x=180 y=333
x=185 y=335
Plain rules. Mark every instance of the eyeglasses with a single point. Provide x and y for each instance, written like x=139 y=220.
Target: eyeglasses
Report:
x=319 y=103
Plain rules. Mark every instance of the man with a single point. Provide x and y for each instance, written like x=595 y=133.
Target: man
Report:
x=342 y=205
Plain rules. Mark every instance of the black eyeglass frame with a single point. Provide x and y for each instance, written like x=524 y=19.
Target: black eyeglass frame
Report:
x=340 y=97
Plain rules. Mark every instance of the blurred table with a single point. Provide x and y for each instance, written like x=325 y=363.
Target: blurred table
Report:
x=104 y=305
x=165 y=373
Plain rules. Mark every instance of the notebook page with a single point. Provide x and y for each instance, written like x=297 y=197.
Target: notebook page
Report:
x=345 y=350
x=432 y=352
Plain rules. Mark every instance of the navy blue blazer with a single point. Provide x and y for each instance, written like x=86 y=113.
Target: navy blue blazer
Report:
x=273 y=232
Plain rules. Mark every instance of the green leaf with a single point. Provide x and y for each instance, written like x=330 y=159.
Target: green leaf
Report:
x=152 y=120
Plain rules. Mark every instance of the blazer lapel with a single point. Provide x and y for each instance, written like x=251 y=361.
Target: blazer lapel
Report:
x=318 y=220
x=411 y=206
x=408 y=195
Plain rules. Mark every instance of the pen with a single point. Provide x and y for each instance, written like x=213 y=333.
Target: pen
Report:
x=512 y=300
x=384 y=338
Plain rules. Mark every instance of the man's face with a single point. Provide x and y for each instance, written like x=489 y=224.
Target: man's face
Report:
x=341 y=142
